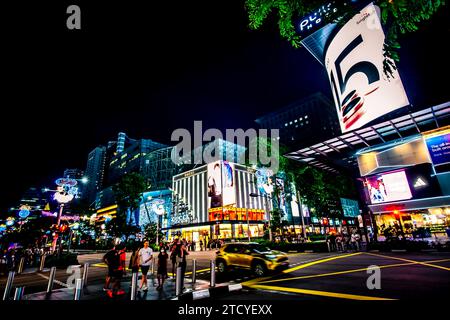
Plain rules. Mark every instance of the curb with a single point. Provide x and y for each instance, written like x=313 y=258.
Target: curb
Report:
x=209 y=293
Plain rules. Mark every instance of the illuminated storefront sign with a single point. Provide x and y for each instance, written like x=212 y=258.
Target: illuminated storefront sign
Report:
x=219 y=214
x=315 y=19
x=354 y=63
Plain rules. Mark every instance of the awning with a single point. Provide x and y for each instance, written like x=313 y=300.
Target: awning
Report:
x=339 y=152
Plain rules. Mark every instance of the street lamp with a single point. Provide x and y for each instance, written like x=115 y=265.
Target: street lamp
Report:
x=65 y=192
x=254 y=195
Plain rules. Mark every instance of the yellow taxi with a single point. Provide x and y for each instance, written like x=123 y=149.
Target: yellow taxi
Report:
x=252 y=256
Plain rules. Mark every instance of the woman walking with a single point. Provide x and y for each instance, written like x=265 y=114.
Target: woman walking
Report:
x=162 y=267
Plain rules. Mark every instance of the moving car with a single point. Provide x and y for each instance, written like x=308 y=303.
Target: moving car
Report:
x=251 y=256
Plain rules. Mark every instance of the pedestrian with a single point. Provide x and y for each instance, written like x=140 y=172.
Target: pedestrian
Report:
x=180 y=253
x=134 y=260
x=353 y=240
x=162 y=267
x=201 y=245
x=115 y=260
x=145 y=258
x=193 y=245
x=173 y=256
x=108 y=260
x=118 y=271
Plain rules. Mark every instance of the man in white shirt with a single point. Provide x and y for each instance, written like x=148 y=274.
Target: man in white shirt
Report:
x=145 y=260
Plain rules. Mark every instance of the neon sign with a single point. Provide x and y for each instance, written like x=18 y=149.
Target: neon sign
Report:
x=316 y=18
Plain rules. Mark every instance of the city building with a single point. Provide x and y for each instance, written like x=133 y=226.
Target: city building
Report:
x=34 y=198
x=402 y=166
x=158 y=168
x=308 y=120
x=73 y=173
x=220 y=148
x=129 y=156
x=95 y=173
x=155 y=207
x=208 y=205
x=105 y=198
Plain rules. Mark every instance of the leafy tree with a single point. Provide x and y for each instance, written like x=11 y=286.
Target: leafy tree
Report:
x=397 y=16
x=128 y=193
x=276 y=221
x=150 y=232
x=320 y=190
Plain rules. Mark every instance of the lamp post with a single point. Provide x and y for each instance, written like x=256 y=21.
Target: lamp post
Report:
x=248 y=223
x=254 y=195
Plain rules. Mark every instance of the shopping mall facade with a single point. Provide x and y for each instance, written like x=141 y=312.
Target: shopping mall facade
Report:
x=213 y=202
x=402 y=168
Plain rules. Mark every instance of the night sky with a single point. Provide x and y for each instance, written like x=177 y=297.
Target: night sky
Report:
x=147 y=69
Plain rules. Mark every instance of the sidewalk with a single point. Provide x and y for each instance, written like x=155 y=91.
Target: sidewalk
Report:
x=95 y=292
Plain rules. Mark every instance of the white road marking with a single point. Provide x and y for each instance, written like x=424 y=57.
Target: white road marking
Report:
x=55 y=281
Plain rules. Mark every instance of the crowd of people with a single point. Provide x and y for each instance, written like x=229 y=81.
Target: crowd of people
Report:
x=141 y=260
x=10 y=258
x=344 y=242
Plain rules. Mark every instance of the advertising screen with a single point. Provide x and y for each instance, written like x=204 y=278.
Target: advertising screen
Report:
x=264 y=181
x=439 y=148
x=350 y=207
x=387 y=187
x=221 y=184
x=354 y=63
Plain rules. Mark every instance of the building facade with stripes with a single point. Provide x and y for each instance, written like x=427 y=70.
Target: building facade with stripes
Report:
x=196 y=216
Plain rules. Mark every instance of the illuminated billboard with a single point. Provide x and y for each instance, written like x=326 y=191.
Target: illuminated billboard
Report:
x=439 y=147
x=264 y=181
x=392 y=186
x=350 y=207
x=221 y=185
x=353 y=58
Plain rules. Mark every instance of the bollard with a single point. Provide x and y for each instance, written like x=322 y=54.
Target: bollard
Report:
x=179 y=283
x=213 y=274
x=85 y=273
x=134 y=285
x=21 y=265
x=51 y=279
x=9 y=284
x=153 y=272
x=78 y=287
x=18 y=294
x=194 y=271
x=42 y=263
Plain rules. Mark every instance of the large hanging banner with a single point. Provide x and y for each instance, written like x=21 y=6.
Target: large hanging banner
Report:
x=354 y=63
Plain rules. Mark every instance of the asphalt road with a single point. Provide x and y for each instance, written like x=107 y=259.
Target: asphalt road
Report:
x=403 y=276
x=311 y=276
